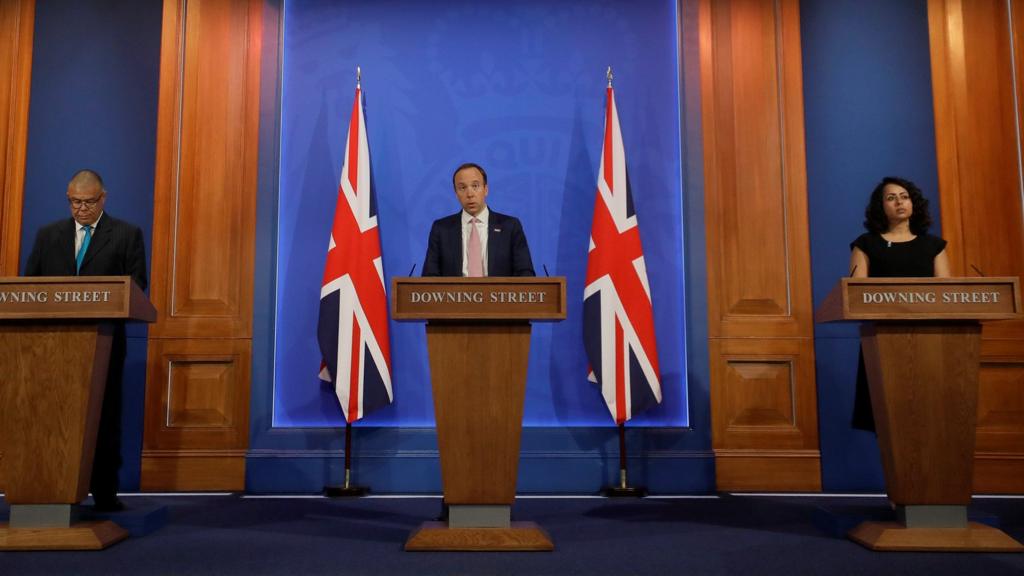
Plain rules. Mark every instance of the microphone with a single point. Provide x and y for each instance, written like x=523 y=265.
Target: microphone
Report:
x=545 y=269
x=854 y=270
x=412 y=269
x=980 y=273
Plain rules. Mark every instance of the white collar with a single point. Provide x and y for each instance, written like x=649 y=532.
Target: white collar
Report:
x=483 y=216
x=79 y=226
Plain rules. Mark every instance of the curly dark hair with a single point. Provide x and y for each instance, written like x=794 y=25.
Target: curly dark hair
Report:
x=874 y=214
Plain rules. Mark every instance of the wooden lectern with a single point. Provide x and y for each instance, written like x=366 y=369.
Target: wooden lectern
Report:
x=478 y=339
x=921 y=339
x=55 y=340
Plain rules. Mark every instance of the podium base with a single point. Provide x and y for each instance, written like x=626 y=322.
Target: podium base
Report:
x=895 y=537
x=519 y=537
x=79 y=536
x=345 y=491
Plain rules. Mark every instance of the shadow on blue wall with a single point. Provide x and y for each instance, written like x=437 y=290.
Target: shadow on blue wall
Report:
x=95 y=75
x=868 y=111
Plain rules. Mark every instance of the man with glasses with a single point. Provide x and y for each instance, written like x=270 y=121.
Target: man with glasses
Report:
x=476 y=241
x=94 y=243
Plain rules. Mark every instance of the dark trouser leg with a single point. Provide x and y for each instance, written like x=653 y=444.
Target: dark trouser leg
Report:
x=107 y=461
x=863 y=415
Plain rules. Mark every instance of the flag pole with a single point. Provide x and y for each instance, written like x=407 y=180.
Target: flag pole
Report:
x=347 y=490
x=623 y=490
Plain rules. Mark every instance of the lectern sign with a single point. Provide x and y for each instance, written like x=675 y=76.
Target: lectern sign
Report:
x=491 y=298
x=81 y=297
x=923 y=299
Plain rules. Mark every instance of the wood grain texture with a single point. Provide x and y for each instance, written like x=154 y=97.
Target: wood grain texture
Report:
x=977 y=61
x=760 y=403
x=924 y=393
x=478 y=375
x=17 y=18
x=894 y=537
x=999 y=446
x=957 y=298
x=187 y=470
x=487 y=298
x=759 y=291
x=204 y=234
x=205 y=194
x=80 y=536
x=197 y=377
x=53 y=376
x=761 y=470
x=520 y=536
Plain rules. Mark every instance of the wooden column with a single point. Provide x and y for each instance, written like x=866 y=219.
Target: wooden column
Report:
x=977 y=66
x=197 y=389
x=16 y=27
x=17 y=18
x=763 y=397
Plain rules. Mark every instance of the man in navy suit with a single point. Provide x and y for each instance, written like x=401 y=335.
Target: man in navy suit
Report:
x=476 y=241
x=94 y=243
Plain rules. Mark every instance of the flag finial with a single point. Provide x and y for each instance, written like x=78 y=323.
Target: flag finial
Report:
x=359 y=76
x=609 y=73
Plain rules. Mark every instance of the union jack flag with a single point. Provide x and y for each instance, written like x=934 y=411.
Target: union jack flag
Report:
x=353 y=325
x=618 y=320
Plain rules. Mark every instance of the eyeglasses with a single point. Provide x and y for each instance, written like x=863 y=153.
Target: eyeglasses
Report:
x=475 y=187
x=88 y=203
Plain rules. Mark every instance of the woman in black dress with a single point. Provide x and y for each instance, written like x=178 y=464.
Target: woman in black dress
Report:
x=896 y=244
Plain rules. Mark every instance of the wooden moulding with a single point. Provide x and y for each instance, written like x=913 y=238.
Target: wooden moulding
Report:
x=520 y=536
x=895 y=537
x=81 y=536
x=193 y=470
x=773 y=470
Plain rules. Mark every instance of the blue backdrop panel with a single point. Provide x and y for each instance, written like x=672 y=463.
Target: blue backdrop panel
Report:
x=519 y=88
x=95 y=75
x=868 y=110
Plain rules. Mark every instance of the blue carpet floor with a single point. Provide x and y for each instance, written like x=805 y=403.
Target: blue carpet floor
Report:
x=728 y=534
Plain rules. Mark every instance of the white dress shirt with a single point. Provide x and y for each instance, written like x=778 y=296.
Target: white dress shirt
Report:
x=80 y=233
x=481 y=229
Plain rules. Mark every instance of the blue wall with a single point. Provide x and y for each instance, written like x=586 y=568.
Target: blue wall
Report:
x=95 y=72
x=519 y=88
x=446 y=92
x=868 y=114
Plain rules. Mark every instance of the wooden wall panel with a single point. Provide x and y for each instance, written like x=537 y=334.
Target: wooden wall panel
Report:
x=197 y=391
x=205 y=209
x=976 y=74
x=17 y=19
x=763 y=397
x=197 y=417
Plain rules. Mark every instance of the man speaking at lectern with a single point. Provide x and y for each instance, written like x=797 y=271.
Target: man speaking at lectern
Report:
x=476 y=241
x=93 y=243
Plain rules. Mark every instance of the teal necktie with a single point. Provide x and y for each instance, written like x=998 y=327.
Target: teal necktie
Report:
x=83 y=248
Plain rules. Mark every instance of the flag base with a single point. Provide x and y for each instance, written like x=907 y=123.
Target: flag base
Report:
x=624 y=491
x=346 y=491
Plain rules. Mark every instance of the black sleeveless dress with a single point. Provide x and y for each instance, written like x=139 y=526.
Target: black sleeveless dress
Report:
x=914 y=258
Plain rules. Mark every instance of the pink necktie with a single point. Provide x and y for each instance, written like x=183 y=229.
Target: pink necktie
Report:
x=474 y=253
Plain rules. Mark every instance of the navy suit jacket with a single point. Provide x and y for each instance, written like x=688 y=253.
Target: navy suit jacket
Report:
x=507 y=251
x=115 y=249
